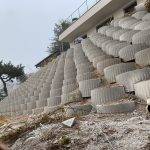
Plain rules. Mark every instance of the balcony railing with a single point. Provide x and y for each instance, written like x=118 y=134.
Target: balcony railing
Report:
x=81 y=10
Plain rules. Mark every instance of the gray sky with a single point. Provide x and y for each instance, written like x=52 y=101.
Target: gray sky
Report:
x=27 y=25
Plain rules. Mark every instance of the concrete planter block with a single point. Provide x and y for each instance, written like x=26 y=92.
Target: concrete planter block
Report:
x=146 y=17
x=117 y=34
x=78 y=110
x=69 y=88
x=124 y=19
x=80 y=61
x=37 y=110
x=69 y=81
x=128 y=79
x=108 y=95
x=84 y=64
x=54 y=101
x=142 y=89
x=86 y=76
x=132 y=27
x=115 y=48
x=87 y=85
x=69 y=76
x=99 y=42
x=128 y=23
x=23 y=107
x=48 y=110
x=142 y=37
x=31 y=105
x=140 y=7
x=56 y=85
x=85 y=70
x=128 y=53
x=142 y=58
x=116 y=22
x=105 y=63
x=100 y=58
x=112 y=30
x=145 y=25
x=41 y=103
x=94 y=55
x=27 y=112
x=73 y=96
x=116 y=108
x=106 y=46
x=111 y=72
x=127 y=36
x=103 y=29
x=139 y=15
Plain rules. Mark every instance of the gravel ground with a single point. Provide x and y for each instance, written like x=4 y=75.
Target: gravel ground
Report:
x=92 y=132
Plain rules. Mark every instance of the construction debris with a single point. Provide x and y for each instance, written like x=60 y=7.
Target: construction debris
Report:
x=69 y=122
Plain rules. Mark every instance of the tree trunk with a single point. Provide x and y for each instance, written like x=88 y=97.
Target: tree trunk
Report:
x=4 y=86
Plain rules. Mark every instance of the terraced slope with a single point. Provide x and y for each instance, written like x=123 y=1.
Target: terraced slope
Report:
x=100 y=72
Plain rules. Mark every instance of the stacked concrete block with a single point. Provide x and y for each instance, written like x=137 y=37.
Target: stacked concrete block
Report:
x=101 y=40
x=117 y=34
x=107 y=95
x=57 y=82
x=140 y=7
x=107 y=45
x=87 y=85
x=86 y=76
x=103 y=29
x=115 y=48
x=111 y=100
x=128 y=53
x=105 y=63
x=142 y=58
x=142 y=37
x=110 y=31
x=132 y=27
x=128 y=79
x=139 y=14
x=127 y=36
x=98 y=59
x=85 y=71
x=123 y=107
x=23 y=99
x=70 y=92
x=78 y=110
x=116 y=22
x=146 y=17
x=111 y=72
x=144 y=25
x=142 y=89
x=72 y=76
x=128 y=23
x=123 y=20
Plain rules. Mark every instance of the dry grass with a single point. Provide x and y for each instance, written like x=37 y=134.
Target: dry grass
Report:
x=28 y=127
x=3 y=120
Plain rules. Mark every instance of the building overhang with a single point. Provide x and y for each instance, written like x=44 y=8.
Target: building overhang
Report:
x=99 y=12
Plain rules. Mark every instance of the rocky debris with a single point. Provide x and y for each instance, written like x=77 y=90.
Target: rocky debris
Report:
x=93 y=132
x=69 y=122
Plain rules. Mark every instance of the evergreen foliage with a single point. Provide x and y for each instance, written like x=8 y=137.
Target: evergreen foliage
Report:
x=8 y=72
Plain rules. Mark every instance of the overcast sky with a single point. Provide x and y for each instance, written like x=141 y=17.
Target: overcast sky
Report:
x=26 y=27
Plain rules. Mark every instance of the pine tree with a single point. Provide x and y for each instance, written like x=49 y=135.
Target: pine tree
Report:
x=8 y=72
x=56 y=45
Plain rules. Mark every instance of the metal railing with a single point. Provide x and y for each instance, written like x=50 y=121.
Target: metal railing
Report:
x=81 y=10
